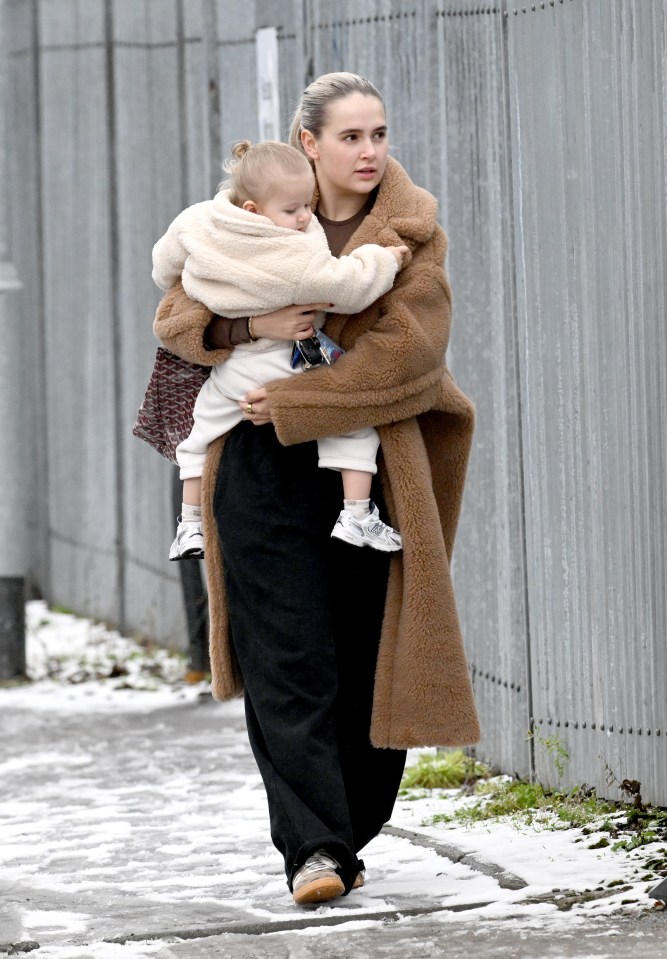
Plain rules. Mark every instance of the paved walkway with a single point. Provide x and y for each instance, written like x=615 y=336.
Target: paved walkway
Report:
x=144 y=834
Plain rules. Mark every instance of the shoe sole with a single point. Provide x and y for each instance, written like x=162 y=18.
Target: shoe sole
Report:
x=191 y=554
x=344 y=537
x=194 y=676
x=319 y=890
x=347 y=538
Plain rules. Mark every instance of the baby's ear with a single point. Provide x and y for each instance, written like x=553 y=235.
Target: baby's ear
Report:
x=250 y=206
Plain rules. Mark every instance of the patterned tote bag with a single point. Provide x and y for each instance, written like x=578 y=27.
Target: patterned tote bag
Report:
x=165 y=418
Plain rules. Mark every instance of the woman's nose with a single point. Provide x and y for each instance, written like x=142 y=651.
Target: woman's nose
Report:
x=368 y=149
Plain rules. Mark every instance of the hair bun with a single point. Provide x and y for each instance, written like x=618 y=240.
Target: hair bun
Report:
x=240 y=149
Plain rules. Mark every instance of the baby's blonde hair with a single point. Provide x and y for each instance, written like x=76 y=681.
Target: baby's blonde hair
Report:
x=253 y=169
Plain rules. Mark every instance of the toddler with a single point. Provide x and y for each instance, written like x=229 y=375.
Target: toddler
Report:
x=254 y=248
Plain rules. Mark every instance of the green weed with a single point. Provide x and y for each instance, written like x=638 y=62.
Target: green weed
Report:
x=628 y=825
x=449 y=770
x=618 y=825
x=526 y=803
x=557 y=752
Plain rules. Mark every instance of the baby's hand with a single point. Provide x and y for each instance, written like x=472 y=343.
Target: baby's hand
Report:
x=399 y=253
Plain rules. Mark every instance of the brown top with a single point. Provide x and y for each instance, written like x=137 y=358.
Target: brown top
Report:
x=338 y=232
x=223 y=333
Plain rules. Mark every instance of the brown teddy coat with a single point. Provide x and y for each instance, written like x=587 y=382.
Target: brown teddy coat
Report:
x=394 y=379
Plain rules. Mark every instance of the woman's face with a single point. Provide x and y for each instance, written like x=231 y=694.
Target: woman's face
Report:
x=350 y=153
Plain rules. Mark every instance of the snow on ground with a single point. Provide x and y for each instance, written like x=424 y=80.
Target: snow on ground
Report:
x=77 y=664
x=78 y=838
x=546 y=854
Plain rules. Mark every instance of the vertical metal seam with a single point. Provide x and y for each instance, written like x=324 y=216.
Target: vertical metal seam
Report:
x=38 y=280
x=307 y=21
x=182 y=104
x=517 y=363
x=116 y=339
x=213 y=91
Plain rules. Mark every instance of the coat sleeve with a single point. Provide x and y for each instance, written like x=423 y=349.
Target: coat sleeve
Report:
x=179 y=325
x=169 y=255
x=352 y=282
x=393 y=368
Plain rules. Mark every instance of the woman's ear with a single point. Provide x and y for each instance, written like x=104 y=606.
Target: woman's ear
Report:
x=250 y=206
x=309 y=144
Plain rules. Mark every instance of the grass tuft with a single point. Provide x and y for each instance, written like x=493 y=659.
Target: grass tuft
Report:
x=610 y=824
x=449 y=770
x=531 y=802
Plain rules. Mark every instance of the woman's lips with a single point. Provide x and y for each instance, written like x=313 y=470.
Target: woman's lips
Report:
x=366 y=173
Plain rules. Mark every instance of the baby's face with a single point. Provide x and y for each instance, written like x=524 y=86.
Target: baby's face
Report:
x=288 y=203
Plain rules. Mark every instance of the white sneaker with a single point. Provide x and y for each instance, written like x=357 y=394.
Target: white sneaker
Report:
x=317 y=880
x=189 y=542
x=369 y=531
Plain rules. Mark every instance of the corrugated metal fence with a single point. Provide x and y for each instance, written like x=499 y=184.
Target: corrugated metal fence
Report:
x=541 y=128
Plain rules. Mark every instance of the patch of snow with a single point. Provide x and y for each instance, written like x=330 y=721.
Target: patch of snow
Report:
x=78 y=665
x=547 y=856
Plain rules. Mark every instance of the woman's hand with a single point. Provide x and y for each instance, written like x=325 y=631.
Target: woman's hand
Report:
x=289 y=323
x=255 y=405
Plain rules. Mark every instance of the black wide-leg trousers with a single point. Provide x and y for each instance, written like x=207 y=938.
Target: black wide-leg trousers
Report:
x=305 y=614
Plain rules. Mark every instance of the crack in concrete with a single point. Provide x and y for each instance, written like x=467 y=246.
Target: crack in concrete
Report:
x=300 y=922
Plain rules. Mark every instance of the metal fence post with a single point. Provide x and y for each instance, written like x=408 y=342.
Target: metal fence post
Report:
x=13 y=560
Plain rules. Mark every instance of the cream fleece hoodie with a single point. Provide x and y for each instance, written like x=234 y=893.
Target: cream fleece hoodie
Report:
x=239 y=263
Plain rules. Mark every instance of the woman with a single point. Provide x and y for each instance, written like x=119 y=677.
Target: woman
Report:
x=346 y=657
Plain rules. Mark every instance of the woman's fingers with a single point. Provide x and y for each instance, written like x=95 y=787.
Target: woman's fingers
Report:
x=288 y=323
x=305 y=327
x=257 y=413
x=257 y=395
x=255 y=406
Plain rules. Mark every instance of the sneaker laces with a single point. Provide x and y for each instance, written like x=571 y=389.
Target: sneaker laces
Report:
x=317 y=862
x=375 y=526
x=189 y=529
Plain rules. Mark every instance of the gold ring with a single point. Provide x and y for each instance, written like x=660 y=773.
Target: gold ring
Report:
x=248 y=408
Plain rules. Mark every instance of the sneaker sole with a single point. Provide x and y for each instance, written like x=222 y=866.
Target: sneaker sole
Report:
x=319 y=890
x=345 y=538
x=191 y=554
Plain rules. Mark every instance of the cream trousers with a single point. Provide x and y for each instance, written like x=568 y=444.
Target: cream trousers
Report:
x=216 y=411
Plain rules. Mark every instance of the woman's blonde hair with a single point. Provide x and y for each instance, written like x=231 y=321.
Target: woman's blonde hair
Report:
x=311 y=114
x=253 y=168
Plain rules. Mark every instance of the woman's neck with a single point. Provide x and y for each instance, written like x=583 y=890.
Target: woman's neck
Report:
x=335 y=206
